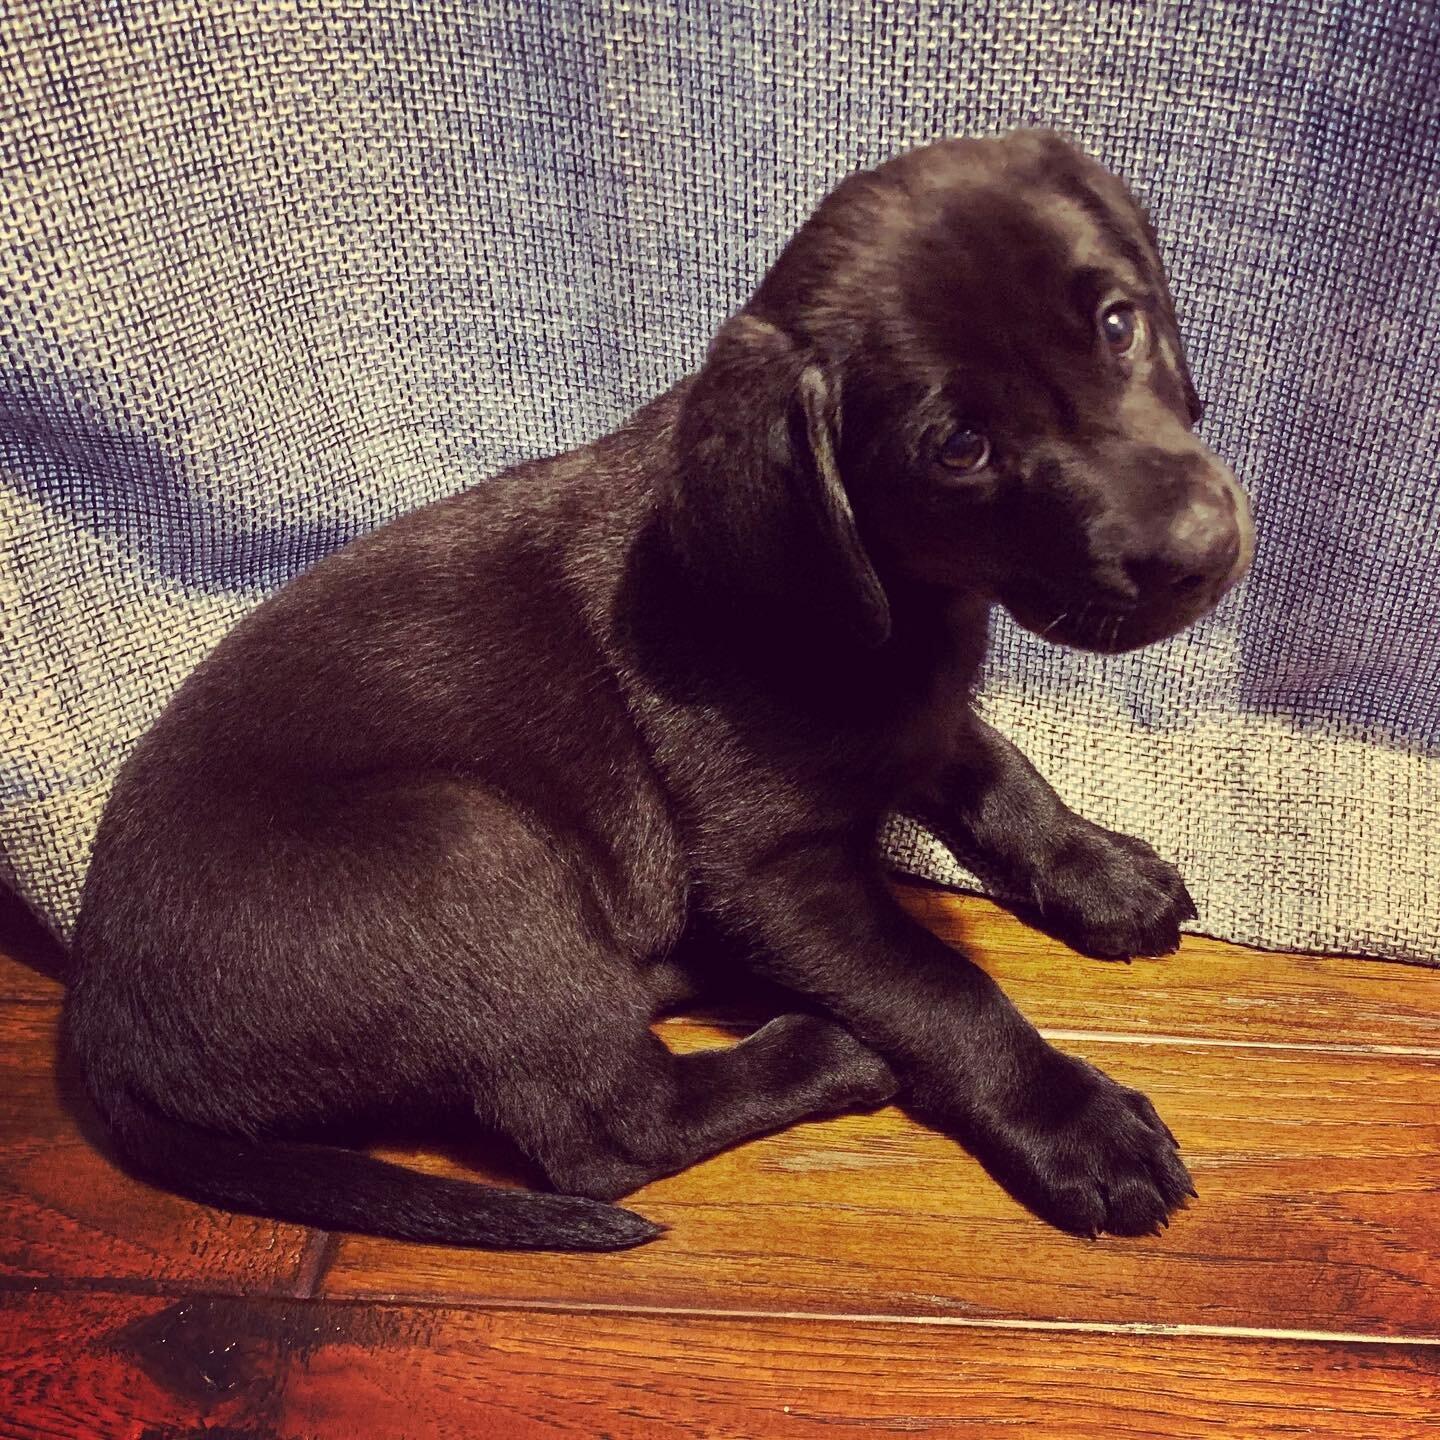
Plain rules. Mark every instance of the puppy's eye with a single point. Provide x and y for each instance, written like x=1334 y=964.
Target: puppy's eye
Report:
x=1120 y=324
x=966 y=450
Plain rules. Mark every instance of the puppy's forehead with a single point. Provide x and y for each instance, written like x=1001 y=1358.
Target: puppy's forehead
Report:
x=1020 y=246
x=1001 y=279
x=1091 y=244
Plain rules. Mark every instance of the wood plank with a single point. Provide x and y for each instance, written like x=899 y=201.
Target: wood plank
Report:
x=1209 y=988
x=1317 y=1178
x=101 y=1367
x=617 y=1375
x=31 y=959
x=66 y=1212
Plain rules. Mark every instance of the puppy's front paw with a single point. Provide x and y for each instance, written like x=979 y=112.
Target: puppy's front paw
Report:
x=1087 y=1154
x=1111 y=895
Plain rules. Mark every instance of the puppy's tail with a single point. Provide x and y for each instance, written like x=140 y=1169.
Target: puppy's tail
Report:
x=337 y=1189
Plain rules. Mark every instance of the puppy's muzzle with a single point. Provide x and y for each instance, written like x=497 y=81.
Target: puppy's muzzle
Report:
x=1201 y=550
x=1166 y=532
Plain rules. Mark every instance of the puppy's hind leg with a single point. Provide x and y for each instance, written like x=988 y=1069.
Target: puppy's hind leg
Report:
x=652 y=1112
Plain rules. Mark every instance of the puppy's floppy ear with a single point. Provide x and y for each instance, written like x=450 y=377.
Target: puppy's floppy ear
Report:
x=1126 y=221
x=758 y=508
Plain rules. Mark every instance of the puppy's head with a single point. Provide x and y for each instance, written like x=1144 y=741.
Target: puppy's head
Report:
x=964 y=371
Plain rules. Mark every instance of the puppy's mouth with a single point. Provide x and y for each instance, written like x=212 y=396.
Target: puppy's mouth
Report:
x=1103 y=624
x=1075 y=622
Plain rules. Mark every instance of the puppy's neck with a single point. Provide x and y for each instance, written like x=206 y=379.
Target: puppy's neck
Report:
x=939 y=632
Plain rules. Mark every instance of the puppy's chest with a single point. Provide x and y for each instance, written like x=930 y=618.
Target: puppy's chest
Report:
x=930 y=724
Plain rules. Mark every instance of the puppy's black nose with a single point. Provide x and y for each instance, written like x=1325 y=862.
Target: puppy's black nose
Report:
x=1199 y=548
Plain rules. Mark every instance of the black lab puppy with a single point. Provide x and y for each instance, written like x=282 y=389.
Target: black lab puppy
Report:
x=445 y=822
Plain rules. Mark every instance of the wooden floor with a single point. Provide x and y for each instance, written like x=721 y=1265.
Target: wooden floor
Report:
x=858 y=1276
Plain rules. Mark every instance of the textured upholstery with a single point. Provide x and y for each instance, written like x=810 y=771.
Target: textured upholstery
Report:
x=271 y=273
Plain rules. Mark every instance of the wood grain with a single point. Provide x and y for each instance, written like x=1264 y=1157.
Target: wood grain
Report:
x=1317 y=1177
x=19 y=984
x=1209 y=988
x=65 y=1212
x=122 y=1367
x=102 y=1367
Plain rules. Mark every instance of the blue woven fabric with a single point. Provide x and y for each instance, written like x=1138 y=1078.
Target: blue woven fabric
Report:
x=272 y=274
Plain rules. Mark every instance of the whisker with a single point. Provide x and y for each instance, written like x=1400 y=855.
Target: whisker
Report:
x=1054 y=622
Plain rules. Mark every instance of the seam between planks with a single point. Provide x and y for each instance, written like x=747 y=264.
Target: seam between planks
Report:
x=474 y=1303
x=952 y=1322
x=170 y=1290
x=1217 y=1042
x=321 y=1247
